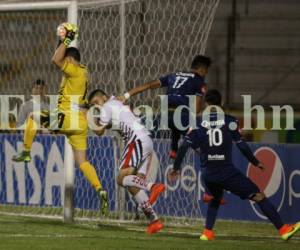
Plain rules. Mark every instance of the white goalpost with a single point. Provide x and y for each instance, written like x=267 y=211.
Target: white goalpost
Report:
x=72 y=11
x=124 y=43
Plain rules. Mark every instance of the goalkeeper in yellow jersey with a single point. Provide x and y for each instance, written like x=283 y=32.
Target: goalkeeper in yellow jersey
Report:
x=71 y=112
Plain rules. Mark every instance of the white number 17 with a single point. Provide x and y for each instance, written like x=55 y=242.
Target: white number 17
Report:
x=180 y=80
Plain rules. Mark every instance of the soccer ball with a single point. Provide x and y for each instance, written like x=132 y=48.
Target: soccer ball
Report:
x=61 y=31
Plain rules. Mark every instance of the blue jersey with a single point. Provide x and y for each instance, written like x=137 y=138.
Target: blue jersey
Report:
x=213 y=139
x=182 y=84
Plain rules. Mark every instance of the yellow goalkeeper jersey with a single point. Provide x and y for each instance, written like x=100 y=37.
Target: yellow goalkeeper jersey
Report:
x=73 y=88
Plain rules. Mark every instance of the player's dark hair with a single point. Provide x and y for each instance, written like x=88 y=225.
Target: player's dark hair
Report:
x=74 y=53
x=200 y=61
x=96 y=92
x=213 y=97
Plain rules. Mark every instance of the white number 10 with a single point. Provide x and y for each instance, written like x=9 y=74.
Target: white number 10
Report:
x=215 y=137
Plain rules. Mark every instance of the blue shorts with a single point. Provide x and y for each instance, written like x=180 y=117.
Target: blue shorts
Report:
x=232 y=180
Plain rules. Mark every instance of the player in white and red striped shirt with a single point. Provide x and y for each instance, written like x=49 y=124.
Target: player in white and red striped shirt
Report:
x=137 y=153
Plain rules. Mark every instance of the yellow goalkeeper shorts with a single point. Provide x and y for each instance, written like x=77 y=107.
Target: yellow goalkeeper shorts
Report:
x=76 y=132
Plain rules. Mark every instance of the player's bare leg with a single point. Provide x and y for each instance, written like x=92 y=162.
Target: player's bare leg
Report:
x=90 y=174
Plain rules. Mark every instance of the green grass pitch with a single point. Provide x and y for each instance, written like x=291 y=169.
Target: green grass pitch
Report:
x=24 y=233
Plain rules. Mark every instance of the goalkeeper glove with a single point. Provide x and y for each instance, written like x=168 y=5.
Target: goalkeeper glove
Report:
x=69 y=38
x=71 y=33
x=67 y=33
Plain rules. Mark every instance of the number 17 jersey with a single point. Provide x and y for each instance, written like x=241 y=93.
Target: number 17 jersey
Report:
x=182 y=84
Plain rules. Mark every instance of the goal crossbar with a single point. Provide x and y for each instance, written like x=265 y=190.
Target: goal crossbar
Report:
x=70 y=6
x=53 y=5
x=36 y=6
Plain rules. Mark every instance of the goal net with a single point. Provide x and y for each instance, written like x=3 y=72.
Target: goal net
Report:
x=124 y=44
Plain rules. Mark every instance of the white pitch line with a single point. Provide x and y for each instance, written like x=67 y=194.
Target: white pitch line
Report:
x=39 y=236
x=221 y=235
x=134 y=229
x=39 y=216
x=59 y=236
x=4 y=235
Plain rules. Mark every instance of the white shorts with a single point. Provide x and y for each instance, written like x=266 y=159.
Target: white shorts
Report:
x=138 y=154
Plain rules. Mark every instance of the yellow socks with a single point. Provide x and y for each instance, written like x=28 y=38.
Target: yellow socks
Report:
x=90 y=174
x=86 y=168
x=29 y=133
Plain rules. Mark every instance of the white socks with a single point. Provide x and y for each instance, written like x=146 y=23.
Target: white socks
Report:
x=143 y=200
x=135 y=181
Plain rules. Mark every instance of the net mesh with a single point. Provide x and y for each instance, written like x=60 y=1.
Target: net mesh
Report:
x=159 y=37
x=27 y=42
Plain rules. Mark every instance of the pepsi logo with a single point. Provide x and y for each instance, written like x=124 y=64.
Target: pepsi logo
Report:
x=271 y=181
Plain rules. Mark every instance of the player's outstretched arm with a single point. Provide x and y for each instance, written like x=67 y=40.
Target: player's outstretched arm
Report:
x=150 y=85
x=244 y=147
x=247 y=152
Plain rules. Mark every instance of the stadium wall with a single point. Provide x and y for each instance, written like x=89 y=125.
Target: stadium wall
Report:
x=41 y=182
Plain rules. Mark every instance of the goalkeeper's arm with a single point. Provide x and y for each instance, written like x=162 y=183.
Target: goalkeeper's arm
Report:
x=64 y=42
x=59 y=55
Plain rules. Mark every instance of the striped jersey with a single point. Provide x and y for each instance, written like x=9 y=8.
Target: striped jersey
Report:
x=121 y=117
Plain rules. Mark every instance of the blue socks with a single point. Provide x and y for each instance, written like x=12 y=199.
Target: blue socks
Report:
x=269 y=210
x=265 y=205
x=211 y=214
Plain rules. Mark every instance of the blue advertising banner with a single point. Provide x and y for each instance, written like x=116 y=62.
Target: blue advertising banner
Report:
x=101 y=155
x=41 y=181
